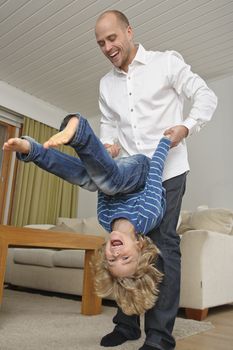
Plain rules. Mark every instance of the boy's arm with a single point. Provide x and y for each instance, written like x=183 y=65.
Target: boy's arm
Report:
x=152 y=199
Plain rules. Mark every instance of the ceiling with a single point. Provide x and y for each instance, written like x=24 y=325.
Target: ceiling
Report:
x=48 y=47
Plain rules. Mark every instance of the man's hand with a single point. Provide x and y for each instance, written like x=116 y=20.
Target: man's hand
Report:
x=177 y=134
x=113 y=150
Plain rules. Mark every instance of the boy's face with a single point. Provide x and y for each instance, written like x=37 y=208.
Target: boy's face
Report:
x=122 y=253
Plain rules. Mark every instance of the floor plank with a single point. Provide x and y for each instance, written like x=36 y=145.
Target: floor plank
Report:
x=218 y=338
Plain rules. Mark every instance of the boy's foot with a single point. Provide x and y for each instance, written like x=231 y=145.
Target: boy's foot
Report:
x=64 y=136
x=17 y=145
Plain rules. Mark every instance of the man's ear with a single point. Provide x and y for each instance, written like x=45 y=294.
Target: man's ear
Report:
x=130 y=32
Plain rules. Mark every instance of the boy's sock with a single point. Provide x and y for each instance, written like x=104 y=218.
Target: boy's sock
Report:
x=115 y=338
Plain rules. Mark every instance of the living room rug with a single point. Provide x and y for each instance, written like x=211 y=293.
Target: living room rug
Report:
x=30 y=321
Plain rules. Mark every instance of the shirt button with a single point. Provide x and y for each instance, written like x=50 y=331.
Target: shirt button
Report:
x=131 y=110
x=130 y=93
x=129 y=78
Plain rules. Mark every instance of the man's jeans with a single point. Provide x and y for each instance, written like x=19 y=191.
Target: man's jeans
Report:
x=159 y=320
x=94 y=169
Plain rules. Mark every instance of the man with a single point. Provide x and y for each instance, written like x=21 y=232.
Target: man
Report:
x=141 y=99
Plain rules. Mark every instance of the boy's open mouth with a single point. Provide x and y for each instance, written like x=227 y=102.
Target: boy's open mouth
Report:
x=116 y=242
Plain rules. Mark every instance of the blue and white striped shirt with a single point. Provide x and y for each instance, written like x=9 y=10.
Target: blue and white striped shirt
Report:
x=145 y=208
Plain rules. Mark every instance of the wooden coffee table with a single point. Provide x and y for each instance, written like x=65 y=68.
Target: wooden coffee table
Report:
x=27 y=237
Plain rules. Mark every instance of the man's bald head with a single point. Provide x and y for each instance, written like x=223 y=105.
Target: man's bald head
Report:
x=120 y=17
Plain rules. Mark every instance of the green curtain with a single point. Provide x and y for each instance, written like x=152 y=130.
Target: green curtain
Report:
x=40 y=197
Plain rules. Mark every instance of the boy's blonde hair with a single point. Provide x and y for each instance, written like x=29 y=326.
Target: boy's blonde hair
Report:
x=137 y=293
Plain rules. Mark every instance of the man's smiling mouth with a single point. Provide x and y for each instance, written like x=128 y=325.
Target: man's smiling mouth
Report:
x=114 y=54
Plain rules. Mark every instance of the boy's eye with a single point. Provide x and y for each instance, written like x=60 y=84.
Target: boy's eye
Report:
x=125 y=257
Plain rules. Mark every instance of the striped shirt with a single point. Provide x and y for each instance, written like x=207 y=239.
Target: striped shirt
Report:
x=144 y=208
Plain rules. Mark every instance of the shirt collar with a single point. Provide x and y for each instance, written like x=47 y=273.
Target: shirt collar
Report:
x=140 y=58
x=140 y=55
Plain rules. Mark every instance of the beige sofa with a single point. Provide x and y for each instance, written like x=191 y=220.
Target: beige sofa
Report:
x=207 y=260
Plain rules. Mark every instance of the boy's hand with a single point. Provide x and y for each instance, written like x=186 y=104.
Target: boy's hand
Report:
x=177 y=134
x=113 y=150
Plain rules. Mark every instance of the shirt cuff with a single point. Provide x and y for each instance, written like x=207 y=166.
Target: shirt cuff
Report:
x=192 y=125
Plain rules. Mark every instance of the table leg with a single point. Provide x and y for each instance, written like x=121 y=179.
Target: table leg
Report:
x=3 y=257
x=91 y=303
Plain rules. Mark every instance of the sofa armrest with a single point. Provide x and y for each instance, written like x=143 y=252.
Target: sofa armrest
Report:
x=206 y=269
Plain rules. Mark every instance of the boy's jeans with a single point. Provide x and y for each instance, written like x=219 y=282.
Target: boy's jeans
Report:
x=94 y=169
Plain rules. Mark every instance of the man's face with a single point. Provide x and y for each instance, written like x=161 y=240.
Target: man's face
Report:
x=115 y=41
x=122 y=252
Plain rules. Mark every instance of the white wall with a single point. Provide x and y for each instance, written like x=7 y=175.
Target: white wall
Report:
x=13 y=99
x=210 y=180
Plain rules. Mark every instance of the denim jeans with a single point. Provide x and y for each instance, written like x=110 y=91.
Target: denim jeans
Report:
x=94 y=169
x=159 y=320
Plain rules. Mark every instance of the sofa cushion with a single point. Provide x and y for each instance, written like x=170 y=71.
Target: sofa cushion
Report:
x=214 y=219
x=71 y=222
x=88 y=225
x=91 y=226
x=34 y=256
x=204 y=218
x=185 y=225
x=69 y=258
x=61 y=227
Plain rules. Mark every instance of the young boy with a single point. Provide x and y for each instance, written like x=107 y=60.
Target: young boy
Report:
x=131 y=201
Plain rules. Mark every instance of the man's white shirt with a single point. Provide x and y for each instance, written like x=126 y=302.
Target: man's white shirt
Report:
x=138 y=106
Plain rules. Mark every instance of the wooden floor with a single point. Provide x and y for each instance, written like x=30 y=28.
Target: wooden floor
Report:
x=218 y=338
